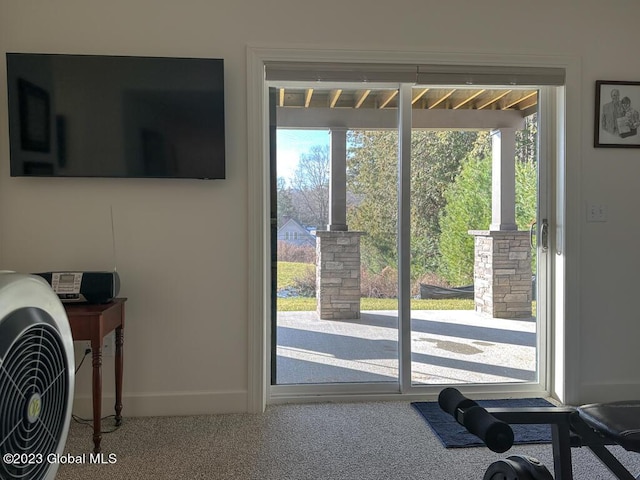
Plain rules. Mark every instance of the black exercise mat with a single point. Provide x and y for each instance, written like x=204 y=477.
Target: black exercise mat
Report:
x=454 y=435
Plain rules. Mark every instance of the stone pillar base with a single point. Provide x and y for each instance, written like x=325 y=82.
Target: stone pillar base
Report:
x=502 y=273
x=338 y=274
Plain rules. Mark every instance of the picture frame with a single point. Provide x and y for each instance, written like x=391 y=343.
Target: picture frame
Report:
x=35 y=129
x=617 y=121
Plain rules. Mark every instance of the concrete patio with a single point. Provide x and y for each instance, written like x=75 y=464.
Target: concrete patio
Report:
x=448 y=346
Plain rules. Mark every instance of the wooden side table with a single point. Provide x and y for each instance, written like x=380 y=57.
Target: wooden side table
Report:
x=93 y=322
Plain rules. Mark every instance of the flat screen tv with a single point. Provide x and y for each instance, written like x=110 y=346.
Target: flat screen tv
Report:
x=116 y=116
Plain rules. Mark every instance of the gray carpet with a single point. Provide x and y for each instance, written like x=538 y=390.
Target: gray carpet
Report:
x=354 y=441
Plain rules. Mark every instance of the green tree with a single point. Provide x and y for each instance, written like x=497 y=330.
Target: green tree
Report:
x=436 y=161
x=527 y=199
x=468 y=207
x=527 y=140
x=373 y=179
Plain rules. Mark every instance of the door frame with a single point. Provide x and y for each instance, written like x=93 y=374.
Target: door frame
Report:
x=564 y=151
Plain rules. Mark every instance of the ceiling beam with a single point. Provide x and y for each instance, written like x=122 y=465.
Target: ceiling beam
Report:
x=442 y=99
x=418 y=94
x=529 y=105
x=521 y=99
x=367 y=118
x=307 y=97
x=471 y=97
x=359 y=97
x=387 y=97
x=333 y=97
x=494 y=99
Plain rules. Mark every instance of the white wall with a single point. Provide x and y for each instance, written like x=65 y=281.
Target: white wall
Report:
x=182 y=245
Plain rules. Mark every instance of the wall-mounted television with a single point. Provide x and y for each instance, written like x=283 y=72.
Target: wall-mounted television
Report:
x=116 y=116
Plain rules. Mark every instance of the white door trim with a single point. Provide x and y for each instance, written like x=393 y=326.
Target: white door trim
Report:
x=564 y=313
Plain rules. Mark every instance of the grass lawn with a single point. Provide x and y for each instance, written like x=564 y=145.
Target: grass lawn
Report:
x=305 y=304
x=288 y=271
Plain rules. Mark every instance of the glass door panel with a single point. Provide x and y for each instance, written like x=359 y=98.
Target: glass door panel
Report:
x=335 y=215
x=473 y=317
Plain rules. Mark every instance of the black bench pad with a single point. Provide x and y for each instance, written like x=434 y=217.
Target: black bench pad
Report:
x=620 y=421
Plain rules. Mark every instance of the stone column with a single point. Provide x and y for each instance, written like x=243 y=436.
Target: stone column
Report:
x=502 y=265
x=338 y=274
x=502 y=274
x=337 y=249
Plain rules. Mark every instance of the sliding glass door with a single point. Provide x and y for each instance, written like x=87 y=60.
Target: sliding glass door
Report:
x=405 y=221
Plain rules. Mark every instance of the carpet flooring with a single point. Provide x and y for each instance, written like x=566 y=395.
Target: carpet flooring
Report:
x=322 y=441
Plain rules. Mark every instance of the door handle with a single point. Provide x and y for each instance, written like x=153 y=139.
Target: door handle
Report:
x=544 y=235
x=532 y=232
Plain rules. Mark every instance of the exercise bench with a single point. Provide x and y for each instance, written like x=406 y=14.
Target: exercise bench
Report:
x=593 y=426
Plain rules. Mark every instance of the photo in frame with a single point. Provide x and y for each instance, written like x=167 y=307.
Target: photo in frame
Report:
x=617 y=121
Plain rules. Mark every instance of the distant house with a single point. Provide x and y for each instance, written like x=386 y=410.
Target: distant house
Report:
x=293 y=232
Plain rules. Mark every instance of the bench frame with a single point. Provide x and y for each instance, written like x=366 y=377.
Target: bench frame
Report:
x=568 y=430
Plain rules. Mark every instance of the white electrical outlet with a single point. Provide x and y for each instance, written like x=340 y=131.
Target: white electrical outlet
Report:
x=108 y=345
x=596 y=212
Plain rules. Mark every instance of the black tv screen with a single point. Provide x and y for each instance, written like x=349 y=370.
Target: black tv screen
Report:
x=116 y=116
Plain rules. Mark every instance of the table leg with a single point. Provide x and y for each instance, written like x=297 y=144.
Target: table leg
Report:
x=96 y=348
x=118 y=372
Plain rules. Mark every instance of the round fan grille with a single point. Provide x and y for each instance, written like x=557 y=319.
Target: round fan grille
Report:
x=34 y=392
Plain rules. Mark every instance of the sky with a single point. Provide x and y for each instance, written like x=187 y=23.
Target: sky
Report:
x=292 y=143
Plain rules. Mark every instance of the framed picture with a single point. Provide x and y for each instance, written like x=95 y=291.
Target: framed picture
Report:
x=34 y=117
x=617 y=119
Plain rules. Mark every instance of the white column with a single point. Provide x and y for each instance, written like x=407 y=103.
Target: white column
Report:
x=503 y=173
x=338 y=180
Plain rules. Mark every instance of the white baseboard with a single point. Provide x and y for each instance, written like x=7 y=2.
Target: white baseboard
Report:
x=165 y=404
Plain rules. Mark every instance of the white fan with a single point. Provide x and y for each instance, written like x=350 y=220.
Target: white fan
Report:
x=36 y=377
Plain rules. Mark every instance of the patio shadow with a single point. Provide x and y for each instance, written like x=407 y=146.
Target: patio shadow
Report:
x=366 y=350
